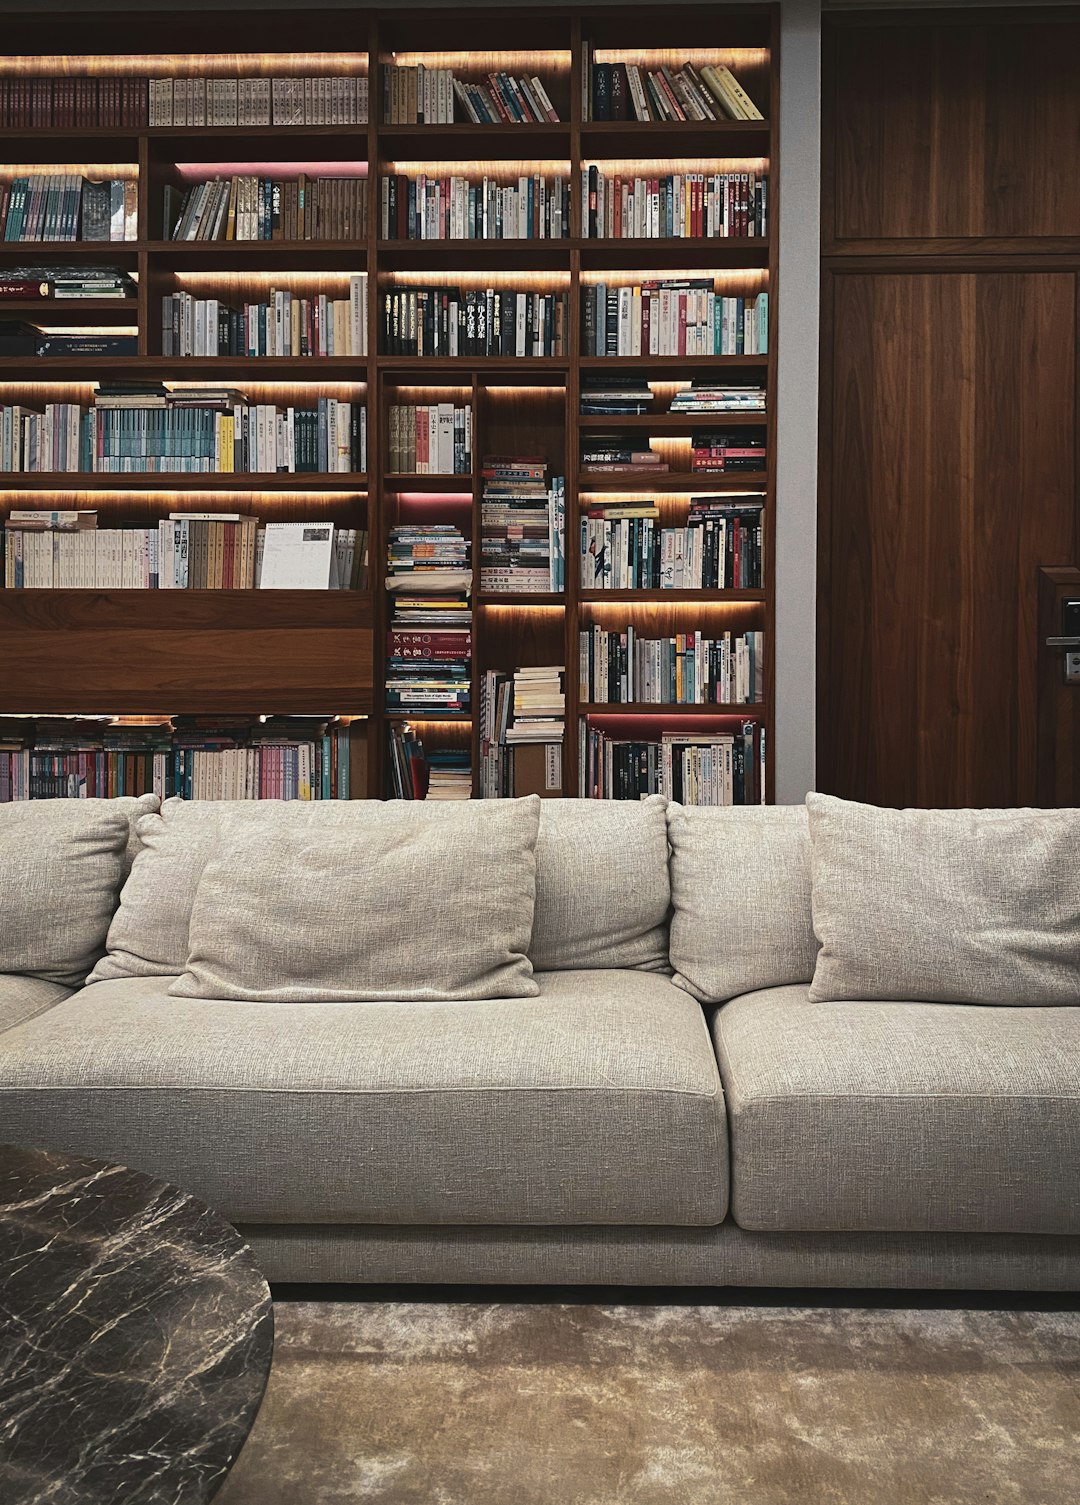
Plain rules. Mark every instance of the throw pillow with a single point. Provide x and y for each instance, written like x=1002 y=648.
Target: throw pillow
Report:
x=740 y=893
x=396 y=901
x=952 y=906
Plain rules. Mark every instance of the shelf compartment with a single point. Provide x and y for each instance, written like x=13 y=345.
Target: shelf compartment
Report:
x=144 y=651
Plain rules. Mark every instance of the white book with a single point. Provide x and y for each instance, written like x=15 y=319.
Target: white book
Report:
x=296 y=556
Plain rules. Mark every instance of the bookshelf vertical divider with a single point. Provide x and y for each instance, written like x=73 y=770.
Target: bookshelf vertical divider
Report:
x=348 y=640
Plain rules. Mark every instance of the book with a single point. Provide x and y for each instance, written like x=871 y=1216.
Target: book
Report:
x=491 y=207
x=419 y=95
x=297 y=556
x=285 y=324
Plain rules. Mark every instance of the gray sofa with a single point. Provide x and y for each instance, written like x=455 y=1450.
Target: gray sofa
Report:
x=616 y=1128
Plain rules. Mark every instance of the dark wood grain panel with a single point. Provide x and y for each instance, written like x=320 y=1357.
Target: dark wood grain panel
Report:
x=950 y=478
x=952 y=127
x=134 y=652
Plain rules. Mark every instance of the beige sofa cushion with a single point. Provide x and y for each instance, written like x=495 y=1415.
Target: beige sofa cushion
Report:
x=62 y=863
x=740 y=891
x=961 y=906
x=22 y=998
x=900 y=1117
x=363 y=900
x=602 y=885
x=596 y=1102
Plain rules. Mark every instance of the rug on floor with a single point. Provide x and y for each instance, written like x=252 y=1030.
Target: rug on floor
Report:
x=533 y=1404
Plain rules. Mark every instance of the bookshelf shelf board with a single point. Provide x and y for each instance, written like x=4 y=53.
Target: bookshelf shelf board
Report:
x=680 y=481
x=55 y=310
x=673 y=422
x=470 y=255
x=638 y=708
x=407 y=480
x=674 y=139
x=464 y=720
x=520 y=598
x=442 y=143
x=673 y=365
x=122 y=253
x=415 y=364
x=254 y=480
x=724 y=253
x=181 y=367
x=662 y=597
x=265 y=256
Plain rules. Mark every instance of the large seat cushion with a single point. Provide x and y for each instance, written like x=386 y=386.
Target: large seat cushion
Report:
x=23 y=997
x=398 y=901
x=597 y=1102
x=62 y=863
x=958 y=906
x=602 y=886
x=905 y=1117
x=740 y=893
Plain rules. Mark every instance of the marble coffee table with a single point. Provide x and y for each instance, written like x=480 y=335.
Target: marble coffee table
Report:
x=136 y=1335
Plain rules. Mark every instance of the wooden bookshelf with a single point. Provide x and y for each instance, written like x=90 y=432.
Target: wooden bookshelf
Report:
x=321 y=652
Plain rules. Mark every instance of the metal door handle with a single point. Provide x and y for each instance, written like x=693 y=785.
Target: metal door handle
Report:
x=1063 y=642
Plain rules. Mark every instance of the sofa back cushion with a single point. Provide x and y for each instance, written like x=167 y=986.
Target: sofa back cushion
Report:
x=602 y=887
x=603 y=891
x=951 y=906
x=363 y=900
x=740 y=892
x=62 y=863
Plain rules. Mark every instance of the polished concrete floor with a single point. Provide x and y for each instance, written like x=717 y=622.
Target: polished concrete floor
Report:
x=511 y=1403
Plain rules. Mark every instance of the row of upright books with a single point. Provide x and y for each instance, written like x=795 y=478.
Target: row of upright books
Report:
x=674 y=206
x=694 y=767
x=53 y=102
x=424 y=207
x=444 y=320
x=65 y=206
x=66 y=550
x=322 y=99
x=246 y=207
x=427 y=96
x=190 y=757
x=627 y=91
x=688 y=668
x=522 y=527
x=284 y=324
x=145 y=428
x=430 y=438
x=677 y=316
x=624 y=547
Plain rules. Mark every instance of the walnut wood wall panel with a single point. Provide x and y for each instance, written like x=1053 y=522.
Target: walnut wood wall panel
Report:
x=959 y=128
x=953 y=480
x=951 y=211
